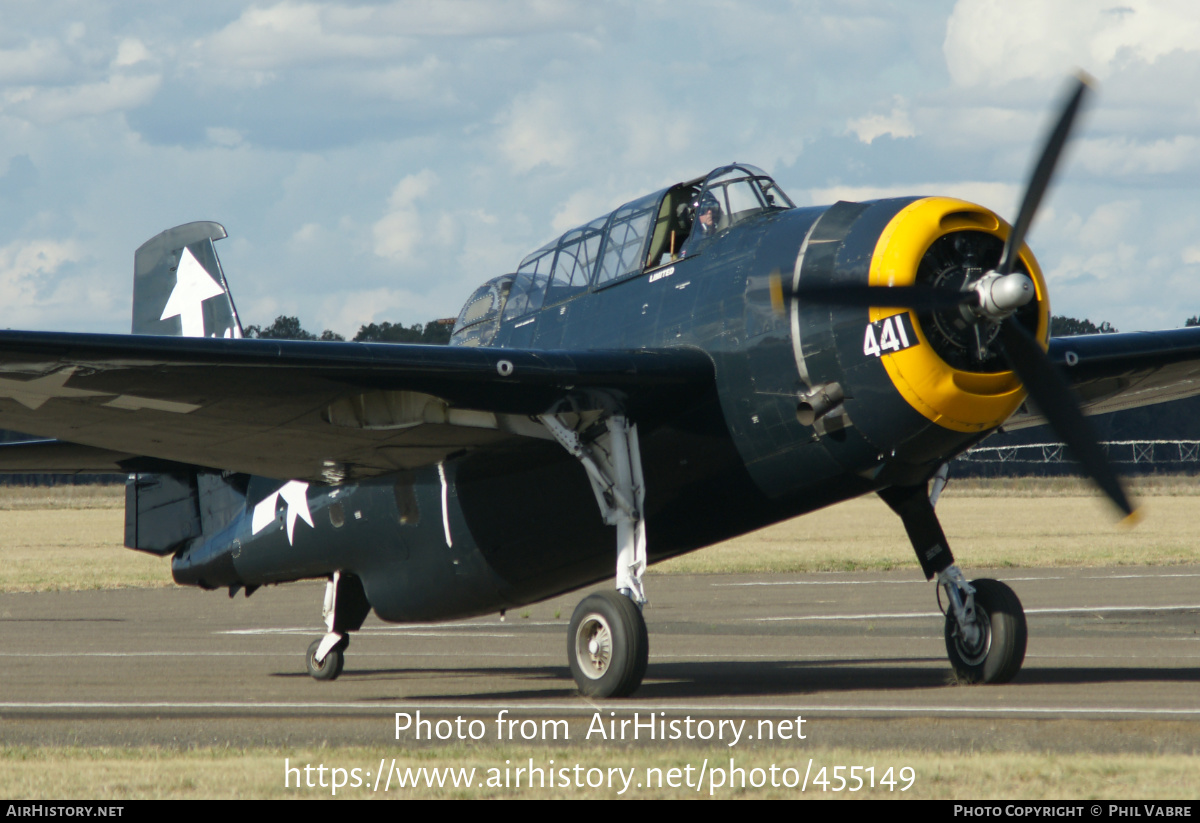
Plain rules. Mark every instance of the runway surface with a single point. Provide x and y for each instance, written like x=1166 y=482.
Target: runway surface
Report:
x=1113 y=664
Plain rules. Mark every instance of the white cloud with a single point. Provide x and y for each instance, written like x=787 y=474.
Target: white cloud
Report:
x=656 y=131
x=398 y=233
x=1121 y=156
x=306 y=33
x=37 y=61
x=308 y=233
x=24 y=263
x=1002 y=198
x=290 y=33
x=406 y=82
x=223 y=136
x=52 y=105
x=536 y=131
x=130 y=52
x=76 y=31
x=35 y=288
x=361 y=308
x=580 y=207
x=1105 y=225
x=992 y=42
x=896 y=124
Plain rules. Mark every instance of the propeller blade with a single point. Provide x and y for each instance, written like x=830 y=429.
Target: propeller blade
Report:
x=1042 y=174
x=775 y=284
x=917 y=298
x=1055 y=400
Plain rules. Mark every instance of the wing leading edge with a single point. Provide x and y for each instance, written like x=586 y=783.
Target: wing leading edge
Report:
x=1113 y=372
x=307 y=410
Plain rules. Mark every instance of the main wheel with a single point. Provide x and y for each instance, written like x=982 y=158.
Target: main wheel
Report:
x=331 y=666
x=607 y=645
x=996 y=655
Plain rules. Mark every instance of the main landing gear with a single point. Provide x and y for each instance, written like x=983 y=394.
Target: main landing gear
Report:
x=988 y=646
x=985 y=623
x=607 y=645
x=345 y=609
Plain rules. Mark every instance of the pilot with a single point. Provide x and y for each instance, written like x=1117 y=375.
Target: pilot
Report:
x=708 y=214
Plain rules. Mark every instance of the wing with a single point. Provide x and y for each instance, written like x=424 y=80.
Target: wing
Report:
x=307 y=410
x=1111 y=372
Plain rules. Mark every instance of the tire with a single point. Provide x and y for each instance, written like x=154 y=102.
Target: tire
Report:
x=332 y=665
x=608 y=646
x=998 y=655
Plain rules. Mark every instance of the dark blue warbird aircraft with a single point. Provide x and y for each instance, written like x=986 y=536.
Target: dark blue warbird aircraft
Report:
x=703 y=361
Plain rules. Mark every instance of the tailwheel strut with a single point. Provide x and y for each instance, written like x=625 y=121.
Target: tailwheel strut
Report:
x=345 y=609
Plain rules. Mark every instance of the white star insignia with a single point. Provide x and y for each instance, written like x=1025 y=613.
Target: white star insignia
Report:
x=32 y=394
x=193 y=285
x=295 y=495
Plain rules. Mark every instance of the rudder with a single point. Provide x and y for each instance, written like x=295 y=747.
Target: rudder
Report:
x=179 y=288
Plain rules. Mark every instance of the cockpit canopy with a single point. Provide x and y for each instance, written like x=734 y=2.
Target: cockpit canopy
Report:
x=480 y=316
x=652 y=231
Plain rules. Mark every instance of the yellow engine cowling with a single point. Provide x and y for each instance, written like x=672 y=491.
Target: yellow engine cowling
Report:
x=954 y=398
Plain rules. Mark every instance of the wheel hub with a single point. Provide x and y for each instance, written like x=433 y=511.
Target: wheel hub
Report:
x=594 y=646
x=975 y=642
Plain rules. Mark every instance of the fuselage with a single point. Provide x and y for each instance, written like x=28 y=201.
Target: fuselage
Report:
x=495 y=528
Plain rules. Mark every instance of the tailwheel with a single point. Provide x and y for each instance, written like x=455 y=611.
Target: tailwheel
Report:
x=608 y=645
x=329 y=667
x=990 y=648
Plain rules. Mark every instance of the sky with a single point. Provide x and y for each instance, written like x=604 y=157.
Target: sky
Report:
x=376 y=161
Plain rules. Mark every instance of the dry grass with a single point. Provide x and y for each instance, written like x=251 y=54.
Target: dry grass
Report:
x=993 y=524
x=71 y=537
x=57 y=498
x=66 y=549
x=1169 y=485
x=111 y=774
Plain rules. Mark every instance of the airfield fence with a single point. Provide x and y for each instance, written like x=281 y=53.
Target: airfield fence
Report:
x=1132 y=456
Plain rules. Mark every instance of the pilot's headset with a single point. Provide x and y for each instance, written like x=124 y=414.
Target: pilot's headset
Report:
x=708 y=203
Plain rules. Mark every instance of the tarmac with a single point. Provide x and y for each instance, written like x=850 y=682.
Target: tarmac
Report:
x=1113 y=664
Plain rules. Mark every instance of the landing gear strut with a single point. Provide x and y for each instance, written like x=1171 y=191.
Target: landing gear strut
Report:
x=985 y=623
x=607 y=645
x=345 y=609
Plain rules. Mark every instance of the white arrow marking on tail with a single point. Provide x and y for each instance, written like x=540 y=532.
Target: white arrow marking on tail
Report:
x=193 y=285
x=295 y=495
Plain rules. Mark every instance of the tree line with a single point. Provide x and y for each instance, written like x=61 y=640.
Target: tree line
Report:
x=286 y=327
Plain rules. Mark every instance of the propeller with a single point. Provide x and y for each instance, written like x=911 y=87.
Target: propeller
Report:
x=991 y=301
x=1056 y=400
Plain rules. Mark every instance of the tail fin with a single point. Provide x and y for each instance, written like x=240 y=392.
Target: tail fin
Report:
x=180 y=290
x=178 y=286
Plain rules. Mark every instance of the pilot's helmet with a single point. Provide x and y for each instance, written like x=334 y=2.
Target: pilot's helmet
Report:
x=707 y=204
